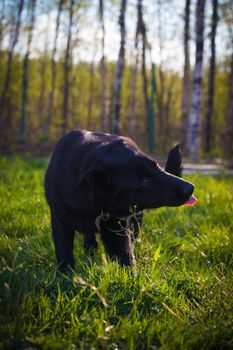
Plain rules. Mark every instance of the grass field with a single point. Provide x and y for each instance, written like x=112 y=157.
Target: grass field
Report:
x=181 y=298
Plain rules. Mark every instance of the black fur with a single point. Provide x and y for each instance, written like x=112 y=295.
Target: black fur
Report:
x=92 y=173
x=174 y=161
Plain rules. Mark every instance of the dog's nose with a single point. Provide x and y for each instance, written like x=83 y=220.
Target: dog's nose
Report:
x=187 y=189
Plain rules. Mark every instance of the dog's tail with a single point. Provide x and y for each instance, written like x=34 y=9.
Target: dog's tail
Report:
x=174 y=162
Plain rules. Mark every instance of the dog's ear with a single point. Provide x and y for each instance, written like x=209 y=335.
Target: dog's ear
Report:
x=96 y=178
x=174 y=161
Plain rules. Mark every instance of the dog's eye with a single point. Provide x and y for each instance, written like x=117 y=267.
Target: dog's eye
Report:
x=145 y=181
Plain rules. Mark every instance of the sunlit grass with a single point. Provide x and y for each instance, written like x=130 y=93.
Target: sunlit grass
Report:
x=181 y=297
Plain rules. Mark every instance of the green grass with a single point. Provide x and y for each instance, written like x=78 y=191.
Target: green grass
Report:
x=181 y=297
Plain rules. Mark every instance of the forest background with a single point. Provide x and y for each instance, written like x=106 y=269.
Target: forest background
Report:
x=158 y=71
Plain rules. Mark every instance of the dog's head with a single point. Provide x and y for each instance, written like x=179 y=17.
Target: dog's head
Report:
x=123 y=177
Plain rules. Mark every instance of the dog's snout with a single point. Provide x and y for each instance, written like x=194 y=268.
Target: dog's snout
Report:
x=187 y=189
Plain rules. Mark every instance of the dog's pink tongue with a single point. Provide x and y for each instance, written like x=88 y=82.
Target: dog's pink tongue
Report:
x=191 y=201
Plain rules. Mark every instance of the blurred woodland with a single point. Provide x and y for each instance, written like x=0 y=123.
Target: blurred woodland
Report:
x=158 y=71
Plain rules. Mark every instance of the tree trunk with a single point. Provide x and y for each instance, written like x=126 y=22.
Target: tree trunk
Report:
x=119 y=71
x=132 y=117
x=22 y=126
x=91 y=92
x=161 y=114
x=168 y=110
x=3 y=6
x=151 y=115
x=210 y=102
x=140 y=33
x=144 y=77
x=54 y=72
x=142 y=30
x=229 y=126
x=194 y=123
x=186 y=79
x=161 y=91
x=13 y=41
x=41 y=107
x=67 y=67
x=103 y=116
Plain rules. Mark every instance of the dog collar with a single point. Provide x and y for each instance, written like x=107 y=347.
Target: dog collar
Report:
x=105 y=216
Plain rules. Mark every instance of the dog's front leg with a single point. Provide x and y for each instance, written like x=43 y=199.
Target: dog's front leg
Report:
x=63 y=238
x=136 y=224
x=90 y=242
x=118 y=243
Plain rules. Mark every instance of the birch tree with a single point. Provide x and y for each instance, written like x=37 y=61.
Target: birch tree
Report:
x=42 y=98
x=229 y=121
x=139 y=35
x=119 y=70
x=2 y=19
x=186 y=78
x=91 y=92
x=210 y=101
x=194 y=122
x=133 y=105
x=22 y=127
x=132 y=117
x=53 y=71
x=161 y=75
x=227 y=13
x=66 y=69
x=142 y=31
x=103 y=115
x=13 y=41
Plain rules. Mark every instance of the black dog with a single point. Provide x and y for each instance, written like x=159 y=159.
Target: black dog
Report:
x=99 y=182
